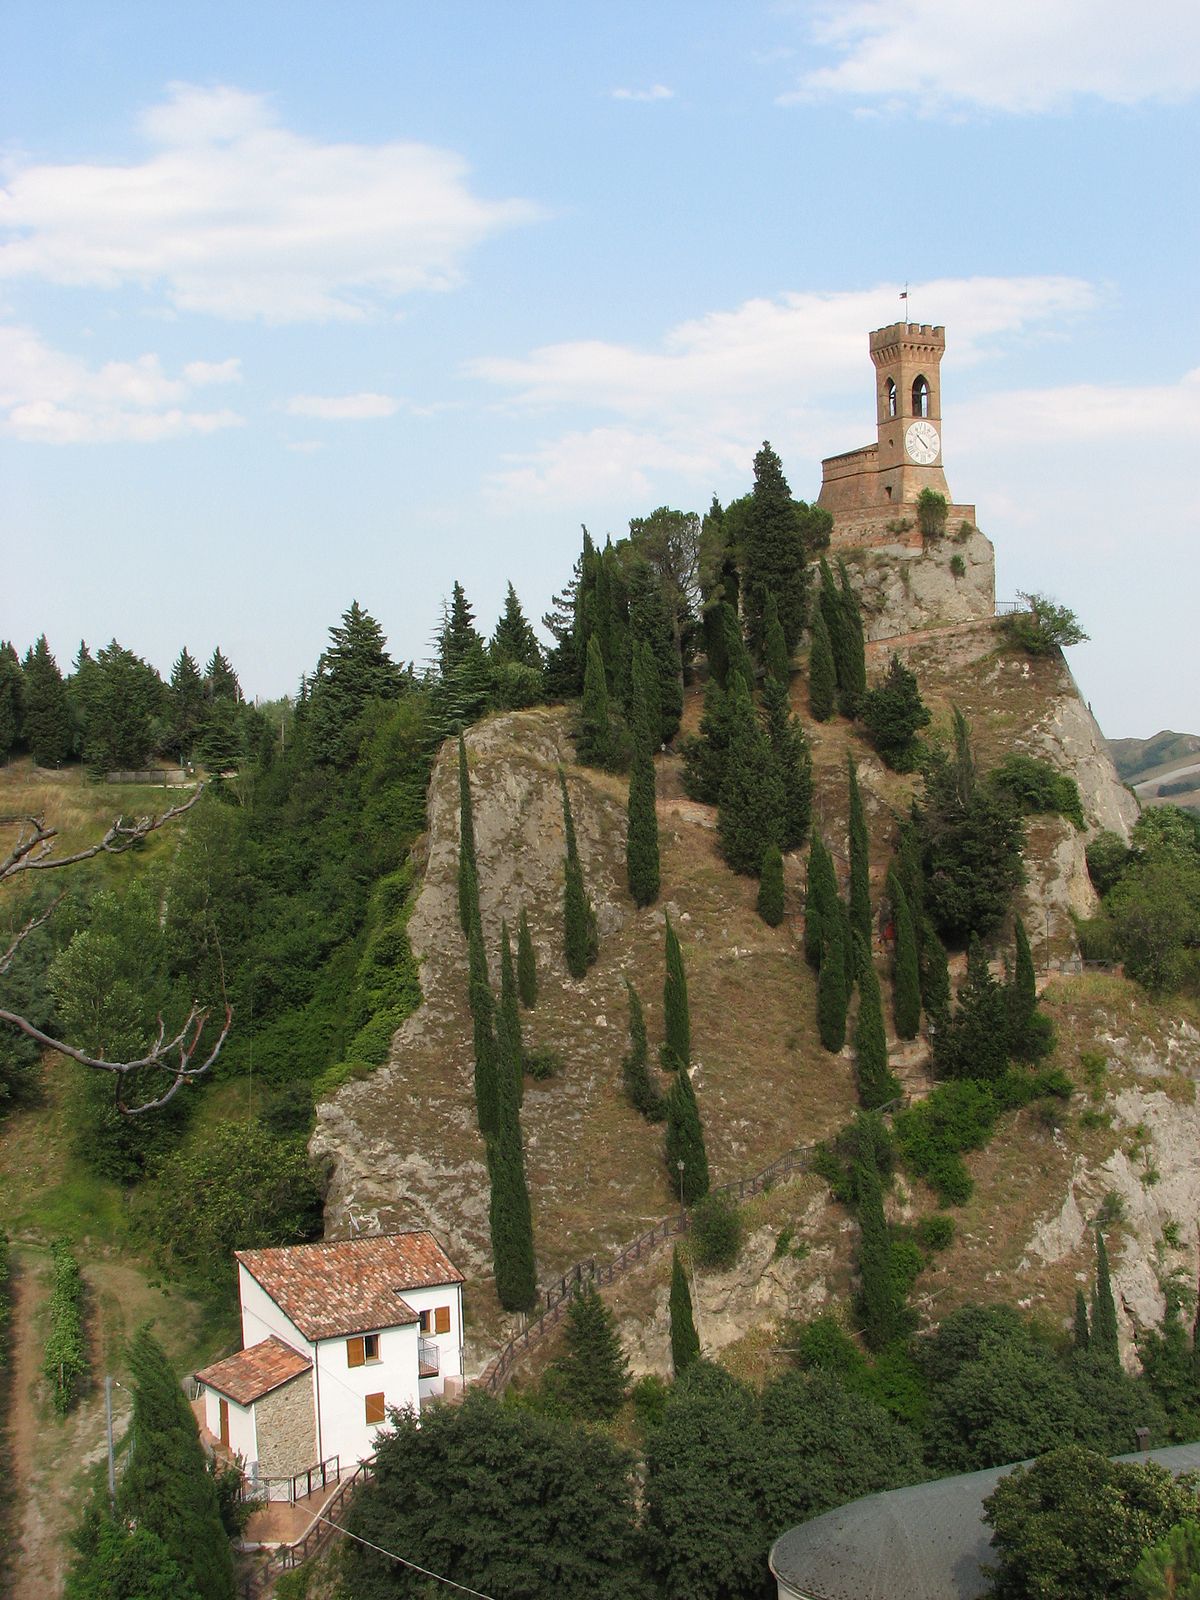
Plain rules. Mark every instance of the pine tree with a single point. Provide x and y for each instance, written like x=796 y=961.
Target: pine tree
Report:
x=1104 y=1339
x=860 y=862
x=1081 y=1335
x=822 y=675
x=776 y=661
x=354 y=671
x=687 y=1159
x=514 y=641
x=821 y=901
x=166 y=1487
x=770 y=887
x=852 y=672
x=527 y=985
x=11 y=699
x=592 y=1374
x=579 y=920
x=221 y=681
x=594 y=744
x=793 y=761
x=906 y=972
x=47 y=723
x=833 y=995
x=685 y=1341
x=773 y=554
x=483 y=1020
x=468 y=880
x=877 y=1085
x=510 y=1218
x=974 y=1042
x=893 y=713
x=464 y=674
x=750 y=805
x=187 y=703
x=509 y=1054
x=677 y=1025
x=640 y=1089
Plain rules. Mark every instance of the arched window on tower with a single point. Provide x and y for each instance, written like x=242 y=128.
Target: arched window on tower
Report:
x=891 y=398
x=920 y=397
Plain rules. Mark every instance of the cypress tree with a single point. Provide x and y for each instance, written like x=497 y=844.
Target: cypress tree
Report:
x=641 y=837
x=793 y=761
x=773 y=553
x=654 y=635
x=509 y=1054
x=677 y=1023
x=906 y=971
x=775 y=660
x=822 y=676
x=1104 y=1310
x=579 y=935
x=527 y=986
x=592 y=1373
x=594 y=746
x=877 y=1086
x=830 y=606
x=468 y=880
x=47 y=724
x=166 y=1487
x=645 y=699
x=880 y=1302
x=738 y=665
x=849 y=943
x=833 y=995
x=935 y=975
x=750 y=806
x=685 y=1141
x=973 y=1043
x=860 y=863
x=685 y=1341
x=770 y=887
x=852 y=679
x=510 y=1218
x=640 y=1089
x=1080 y=1335
x=714 y=642
x=488 y=1067
x=1031 y=1031
x=706 y=757
x=821 y=901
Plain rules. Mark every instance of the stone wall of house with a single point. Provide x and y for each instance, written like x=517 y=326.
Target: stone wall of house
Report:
x=287 y=1435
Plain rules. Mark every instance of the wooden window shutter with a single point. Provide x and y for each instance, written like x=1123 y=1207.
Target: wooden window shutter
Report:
x=376 y=1410
x=441 y=1319
x=356 y=1353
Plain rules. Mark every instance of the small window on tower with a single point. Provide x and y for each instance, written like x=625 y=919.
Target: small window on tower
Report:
x=920 y=397
x=891 y=398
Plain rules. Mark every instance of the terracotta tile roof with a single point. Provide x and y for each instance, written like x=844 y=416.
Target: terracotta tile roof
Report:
x=345 y=1286
x=250 y=1374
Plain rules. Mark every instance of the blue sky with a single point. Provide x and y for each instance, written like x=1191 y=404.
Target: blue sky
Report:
x=303 y=303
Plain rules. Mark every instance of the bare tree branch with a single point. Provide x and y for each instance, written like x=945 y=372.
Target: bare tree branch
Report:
x=174 y=1057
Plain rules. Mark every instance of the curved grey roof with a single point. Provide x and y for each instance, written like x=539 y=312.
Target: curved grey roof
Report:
x=928 y=1542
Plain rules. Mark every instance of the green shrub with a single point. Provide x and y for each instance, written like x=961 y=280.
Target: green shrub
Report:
x=931 y=513
x=958 y=566
x=65 y=1364
x=540 y=1062
x=716 y=1231
x=650 y=1395
x=936 y=1232
x=932 y=1135
x=1038 y=788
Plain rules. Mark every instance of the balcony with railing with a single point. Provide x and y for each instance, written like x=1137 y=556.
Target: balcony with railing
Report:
x=429 y=1358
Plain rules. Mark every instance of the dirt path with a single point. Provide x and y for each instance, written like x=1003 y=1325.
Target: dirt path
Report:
x=38 y=1562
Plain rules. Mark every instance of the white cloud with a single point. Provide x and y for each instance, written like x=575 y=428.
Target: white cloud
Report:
x=236 y=216
x=1023 y=56
x=656 y=91
x=1091 y=414
x=343 y=407
x=202 y=372
x=51 y=397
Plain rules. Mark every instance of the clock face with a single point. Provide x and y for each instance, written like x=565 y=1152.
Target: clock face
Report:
x=922 y=442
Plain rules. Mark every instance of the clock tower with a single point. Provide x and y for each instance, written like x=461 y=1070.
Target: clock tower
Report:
x=870 y=490
x=908 y=403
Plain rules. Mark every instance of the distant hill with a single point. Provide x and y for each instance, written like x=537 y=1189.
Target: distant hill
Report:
x=1165 y=767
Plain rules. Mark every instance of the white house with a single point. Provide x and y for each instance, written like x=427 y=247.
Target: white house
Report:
x=334 y=1335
